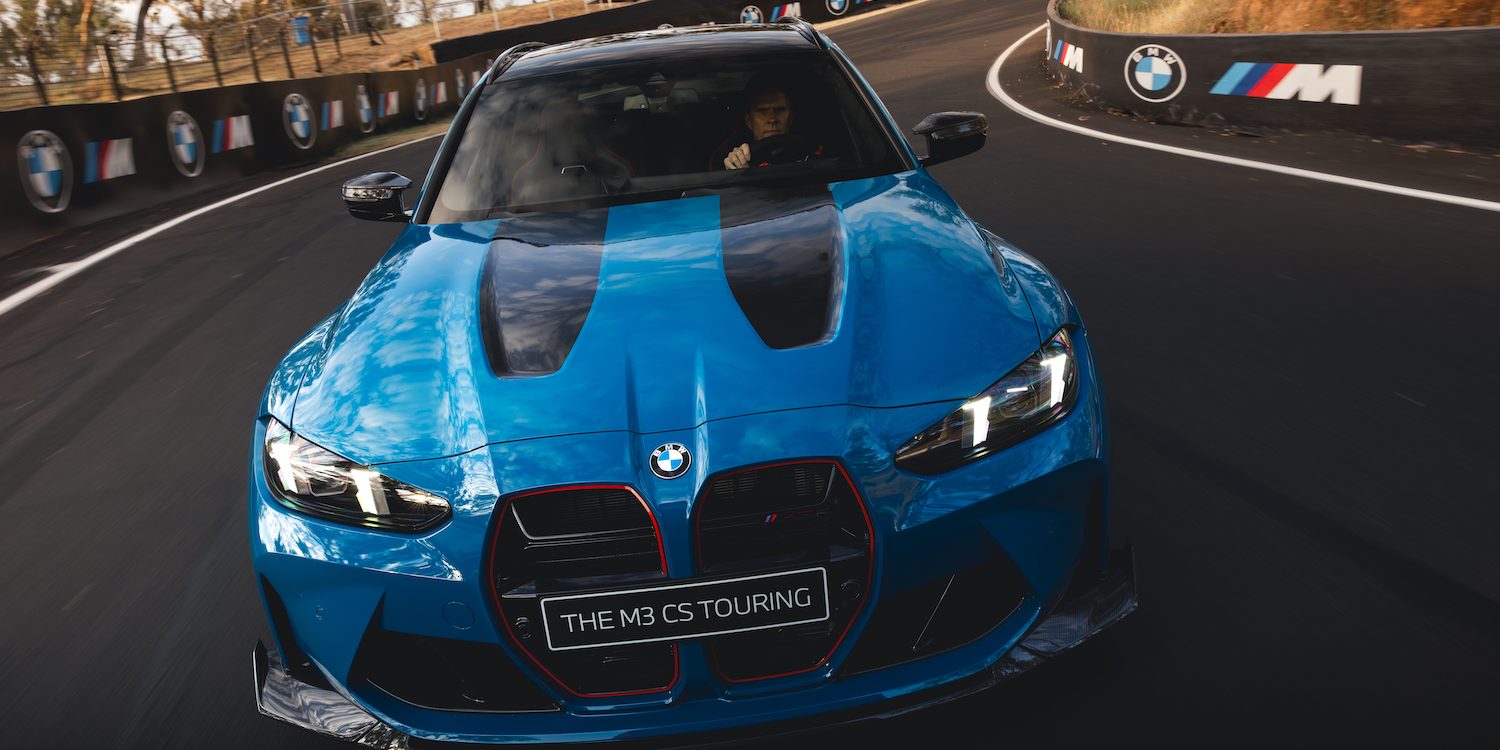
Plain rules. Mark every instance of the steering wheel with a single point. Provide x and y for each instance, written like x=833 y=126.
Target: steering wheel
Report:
x=782 y=149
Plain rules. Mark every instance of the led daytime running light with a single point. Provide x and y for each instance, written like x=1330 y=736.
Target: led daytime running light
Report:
x=312 y=480
x=1036 y=394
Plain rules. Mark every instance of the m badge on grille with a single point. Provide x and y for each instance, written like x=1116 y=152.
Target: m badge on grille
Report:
x=670 y=460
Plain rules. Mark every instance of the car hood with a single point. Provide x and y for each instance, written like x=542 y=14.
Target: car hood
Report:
x=662 y=316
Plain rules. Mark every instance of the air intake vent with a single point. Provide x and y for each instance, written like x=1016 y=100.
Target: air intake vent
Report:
x=446 y=675
x=940 y=615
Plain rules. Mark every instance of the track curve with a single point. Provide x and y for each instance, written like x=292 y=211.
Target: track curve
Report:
x=1298 y=376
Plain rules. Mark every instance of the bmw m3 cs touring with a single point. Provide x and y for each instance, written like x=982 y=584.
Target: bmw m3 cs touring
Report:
x=686 y=404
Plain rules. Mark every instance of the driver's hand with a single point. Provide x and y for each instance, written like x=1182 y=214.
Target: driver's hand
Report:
x=739 y=158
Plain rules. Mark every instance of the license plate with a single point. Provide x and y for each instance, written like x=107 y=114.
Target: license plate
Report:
x=685 y=610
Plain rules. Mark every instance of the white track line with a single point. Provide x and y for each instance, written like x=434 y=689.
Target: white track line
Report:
x=64 y=271
x=993 y=84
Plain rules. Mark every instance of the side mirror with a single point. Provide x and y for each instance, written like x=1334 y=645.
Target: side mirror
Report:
x=951 y=135
x=377 y=197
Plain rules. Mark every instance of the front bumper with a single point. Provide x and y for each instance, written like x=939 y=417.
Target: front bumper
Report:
x=1029 y=523
x=280 y=695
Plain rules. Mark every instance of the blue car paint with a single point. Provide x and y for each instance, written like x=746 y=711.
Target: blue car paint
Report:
x=925 y=317
x=1031 y=500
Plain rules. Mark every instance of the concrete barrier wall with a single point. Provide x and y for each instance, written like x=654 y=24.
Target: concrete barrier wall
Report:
x=80 y=164
x=1429 y=86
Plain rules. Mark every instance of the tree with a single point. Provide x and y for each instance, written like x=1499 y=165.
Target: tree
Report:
x=59 y=33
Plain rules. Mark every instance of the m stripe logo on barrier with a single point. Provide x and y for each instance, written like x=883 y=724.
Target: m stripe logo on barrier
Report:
x=1070 y=55
x=1308 y=82
x=787 y=10
x=439 y=92
x=106 y=160
x=388 y=103
x=333 y=114
x=231 y=133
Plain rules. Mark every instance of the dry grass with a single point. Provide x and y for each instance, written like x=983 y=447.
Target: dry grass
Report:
x=1262 y=16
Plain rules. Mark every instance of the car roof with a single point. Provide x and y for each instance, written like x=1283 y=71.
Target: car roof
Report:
x=673 y=44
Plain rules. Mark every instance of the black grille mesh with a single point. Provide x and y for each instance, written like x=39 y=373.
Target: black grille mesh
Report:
x=578 y=540
x=798 y=514
x=591 y=511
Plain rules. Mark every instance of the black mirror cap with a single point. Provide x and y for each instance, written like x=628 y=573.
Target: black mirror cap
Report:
x=377 y=197
x=952 y=134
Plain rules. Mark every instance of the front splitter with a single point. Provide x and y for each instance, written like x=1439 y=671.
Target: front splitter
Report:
x=332 y=713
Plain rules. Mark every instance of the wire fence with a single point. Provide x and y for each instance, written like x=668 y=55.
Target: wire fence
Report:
x=341 y=38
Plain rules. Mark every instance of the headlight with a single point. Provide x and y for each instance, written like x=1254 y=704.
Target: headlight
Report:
x=1034 y=395
x=312 y=480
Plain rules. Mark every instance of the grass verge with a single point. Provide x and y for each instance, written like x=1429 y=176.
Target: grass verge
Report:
x=1276 y=16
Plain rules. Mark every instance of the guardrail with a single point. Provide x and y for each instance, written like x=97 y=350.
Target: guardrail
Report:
x=81 y=163
x=1427 y=86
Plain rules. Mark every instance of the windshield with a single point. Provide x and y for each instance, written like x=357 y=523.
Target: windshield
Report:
x=628 y=132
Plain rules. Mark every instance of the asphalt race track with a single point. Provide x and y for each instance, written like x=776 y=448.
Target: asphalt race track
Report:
x=1300 y=380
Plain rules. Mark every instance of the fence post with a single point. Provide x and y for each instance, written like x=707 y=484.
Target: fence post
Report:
x=495 y=12
x=550 y=16
x=338 y=51
x=250 y=48
x=312 y=41
x=286 y=54
x=114 y=73
x=166 y=58
x=36 y=74
x=213 y=55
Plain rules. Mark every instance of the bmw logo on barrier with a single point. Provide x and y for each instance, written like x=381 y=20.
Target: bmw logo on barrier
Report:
x=297 y=117
x=185 y=143
x=1155 y=73
x=419 y=104
x=836 y=7
x=46 y=170
x=752 y=14
x=670 y=460
x=458 y=82
x=366 y=112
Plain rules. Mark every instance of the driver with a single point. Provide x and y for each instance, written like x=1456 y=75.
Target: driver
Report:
x=768 y=113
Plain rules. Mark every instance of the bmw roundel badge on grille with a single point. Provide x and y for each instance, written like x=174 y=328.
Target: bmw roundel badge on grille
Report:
x=670 y=460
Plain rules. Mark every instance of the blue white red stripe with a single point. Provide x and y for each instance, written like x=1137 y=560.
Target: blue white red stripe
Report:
x=231 y=133
x=333 y=114
x=1070 y=55
x=786 y=10
x=387 y=104
x=106 y=160
x=1307 y=82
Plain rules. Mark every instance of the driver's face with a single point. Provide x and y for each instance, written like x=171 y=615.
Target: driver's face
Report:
x=771 y=114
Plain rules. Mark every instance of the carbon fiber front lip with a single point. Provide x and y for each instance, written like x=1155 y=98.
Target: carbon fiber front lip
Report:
x=279 y=695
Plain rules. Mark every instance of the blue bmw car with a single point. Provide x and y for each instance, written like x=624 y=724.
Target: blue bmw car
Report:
x=687 y=405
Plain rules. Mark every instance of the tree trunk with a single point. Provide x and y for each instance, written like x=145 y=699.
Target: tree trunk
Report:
x=138 y=57
x=83 y=25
